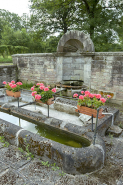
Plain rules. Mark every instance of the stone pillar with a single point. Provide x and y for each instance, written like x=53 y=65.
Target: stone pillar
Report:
x=59 y=69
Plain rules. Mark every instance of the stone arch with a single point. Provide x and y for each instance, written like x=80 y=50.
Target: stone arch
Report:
x=75 y=41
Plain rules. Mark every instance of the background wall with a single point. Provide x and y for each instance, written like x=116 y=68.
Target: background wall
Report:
x=8 y=73
x=36 y=67
x=107 y=74
x=102 y=72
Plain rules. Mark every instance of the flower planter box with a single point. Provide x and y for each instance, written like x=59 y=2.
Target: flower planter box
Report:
x=49 y=101
x=13 y=94
x=89 y=111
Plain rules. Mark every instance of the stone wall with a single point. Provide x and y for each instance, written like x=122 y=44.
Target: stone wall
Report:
x=107 y=74
x=102 y=72
x=36 y=67
x=8 y=73
x=51 y=68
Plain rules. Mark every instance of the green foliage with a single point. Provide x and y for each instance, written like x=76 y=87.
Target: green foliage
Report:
x=53 y=167
x=2 y=140
x=26 y=85
x=45 y=95
x=28 y=154
x=12 y=19
x=90 y=102
x=12 y=86
x=53 y=15
x=21 y=150
x=121 y=125
x=15 y=89
x=51 y=44
x=93 y=101
x=102 y=20
x=3 y=50
x=62 y=174
x=20 y=49
x=45 y=163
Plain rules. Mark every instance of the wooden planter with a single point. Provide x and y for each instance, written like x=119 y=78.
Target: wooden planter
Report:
x=13 y=94
x=49 y=101
x=89 y=111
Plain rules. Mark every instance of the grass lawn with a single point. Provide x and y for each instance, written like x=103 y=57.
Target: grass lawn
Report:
x=6 y=59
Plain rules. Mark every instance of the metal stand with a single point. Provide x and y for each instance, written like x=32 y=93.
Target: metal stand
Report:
x=112 y=116
x=24 y=104
x=97 y=122
x=92 y=122
x=18 y=101
x=96 y=126
x=48 y=111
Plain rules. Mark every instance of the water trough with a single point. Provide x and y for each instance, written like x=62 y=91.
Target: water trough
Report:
x=72 y=160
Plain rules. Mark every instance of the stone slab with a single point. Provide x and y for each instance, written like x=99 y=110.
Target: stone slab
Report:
x=114 y=130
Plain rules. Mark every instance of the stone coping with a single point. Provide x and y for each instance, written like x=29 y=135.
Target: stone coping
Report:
x=57 y=54
x=8 y=66
x=71 y=160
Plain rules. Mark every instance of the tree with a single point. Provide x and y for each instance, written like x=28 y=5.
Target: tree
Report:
x=53 y=16
x=98 y=18
x=11 y=19
x=51 y=44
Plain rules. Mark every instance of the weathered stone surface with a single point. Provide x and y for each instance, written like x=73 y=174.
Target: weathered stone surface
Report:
x=75 y=41
x=114 y=130
x=84 y=118
x=68 y=158
x=7 y=73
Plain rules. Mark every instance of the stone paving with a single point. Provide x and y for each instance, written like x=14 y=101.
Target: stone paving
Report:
x=17 y=170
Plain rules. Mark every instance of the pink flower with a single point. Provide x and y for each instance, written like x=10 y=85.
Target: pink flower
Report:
x=98 y=96
x=4 y=82
x=91 y=95
x=82 y=92
x=86 y=95
x=32 y=88
x=75 y=95
x=87 y=92
x=41 y=84
x=103 y=100
x=38 y=84
x=54 y=90
x=108 y=96
x=33 y=93
x=94 y=95
x=10 y=84
x=13 y=81
x=13 y=86
x=46 y=89
x=81 y=97
x=37 y=97
x=19 y=83
x=42 y=87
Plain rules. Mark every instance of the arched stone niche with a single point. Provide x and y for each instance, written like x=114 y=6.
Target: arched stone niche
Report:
x=75 y=41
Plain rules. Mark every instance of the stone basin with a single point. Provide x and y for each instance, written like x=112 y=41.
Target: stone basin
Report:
x=71 y=160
